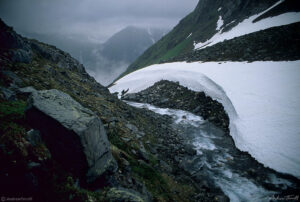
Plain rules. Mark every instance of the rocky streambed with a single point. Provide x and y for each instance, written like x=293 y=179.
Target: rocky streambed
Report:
x=217 y=163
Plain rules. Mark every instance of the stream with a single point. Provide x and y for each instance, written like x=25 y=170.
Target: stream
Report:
x=220 y=164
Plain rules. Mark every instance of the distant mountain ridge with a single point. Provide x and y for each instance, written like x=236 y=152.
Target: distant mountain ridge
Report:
x=129 y=43
x=207 y=20
x=108 y=60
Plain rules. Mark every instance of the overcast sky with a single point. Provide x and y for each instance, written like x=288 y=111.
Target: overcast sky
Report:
x=93 y=20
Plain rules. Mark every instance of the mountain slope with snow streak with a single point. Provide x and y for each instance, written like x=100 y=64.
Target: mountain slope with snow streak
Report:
x=214 y=22
x=262 y=100
x=249 y=26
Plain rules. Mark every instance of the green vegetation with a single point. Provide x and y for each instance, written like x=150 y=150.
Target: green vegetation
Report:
x=10 y=114
x=175 y=51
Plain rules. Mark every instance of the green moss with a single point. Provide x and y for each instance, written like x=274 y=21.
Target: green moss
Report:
x=10 y=114
x=16 y=109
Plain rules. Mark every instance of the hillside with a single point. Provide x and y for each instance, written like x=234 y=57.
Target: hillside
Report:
x=41 y=154
x=211 y=21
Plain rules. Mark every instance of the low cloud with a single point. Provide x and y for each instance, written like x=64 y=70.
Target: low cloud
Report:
x=95 y=20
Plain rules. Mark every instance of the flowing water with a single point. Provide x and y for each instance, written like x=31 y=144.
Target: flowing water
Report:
x=220 y=164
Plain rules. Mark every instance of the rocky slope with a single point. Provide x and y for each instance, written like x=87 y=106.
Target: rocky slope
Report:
x=201 y=25
x=276 y=44
x=168 y=94
x=37 y=161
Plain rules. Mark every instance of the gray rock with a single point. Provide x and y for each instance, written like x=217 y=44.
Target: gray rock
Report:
x=31 y=165
x=197 y=109
x=129 y=97
x=21 y=55
x=122 y=194
x=133 y=128
x=7 y=94
x=27 y=90
x=190 y=150
x=74 y=135
x=12 y=76
x=34 y=137
x=166 y=166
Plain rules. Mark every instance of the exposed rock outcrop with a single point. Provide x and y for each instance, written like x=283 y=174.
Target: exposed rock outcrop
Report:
x=74 y=134
x=13 y=46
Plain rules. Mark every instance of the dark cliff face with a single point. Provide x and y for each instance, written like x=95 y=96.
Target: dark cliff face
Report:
x=201 y=25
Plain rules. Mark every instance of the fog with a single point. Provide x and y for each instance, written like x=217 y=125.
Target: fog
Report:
x=77 y=25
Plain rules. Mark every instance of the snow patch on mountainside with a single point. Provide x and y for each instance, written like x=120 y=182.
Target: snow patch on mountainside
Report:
x=262 y=100
x=220 y=23
x=189 y=35
x=247 y=26
x=150 y=35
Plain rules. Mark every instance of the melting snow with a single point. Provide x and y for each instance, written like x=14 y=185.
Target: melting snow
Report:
x=151 y=35
x=247 y=26
x=262 y=100
x=189 y=35
x=220 y=23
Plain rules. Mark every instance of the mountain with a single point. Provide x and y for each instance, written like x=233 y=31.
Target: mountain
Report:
x=214 y=22
x=107 y=61
x=130 y=43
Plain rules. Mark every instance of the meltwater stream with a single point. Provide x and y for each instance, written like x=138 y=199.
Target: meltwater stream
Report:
x=219 y=164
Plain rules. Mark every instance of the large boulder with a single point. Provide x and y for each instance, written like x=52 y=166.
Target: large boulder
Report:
x=74 y=135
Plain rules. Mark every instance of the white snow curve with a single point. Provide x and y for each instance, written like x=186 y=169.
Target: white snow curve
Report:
x=262 y=100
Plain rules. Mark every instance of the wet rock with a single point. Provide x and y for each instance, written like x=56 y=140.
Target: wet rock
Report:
x=189 y=149
x=74 y=135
